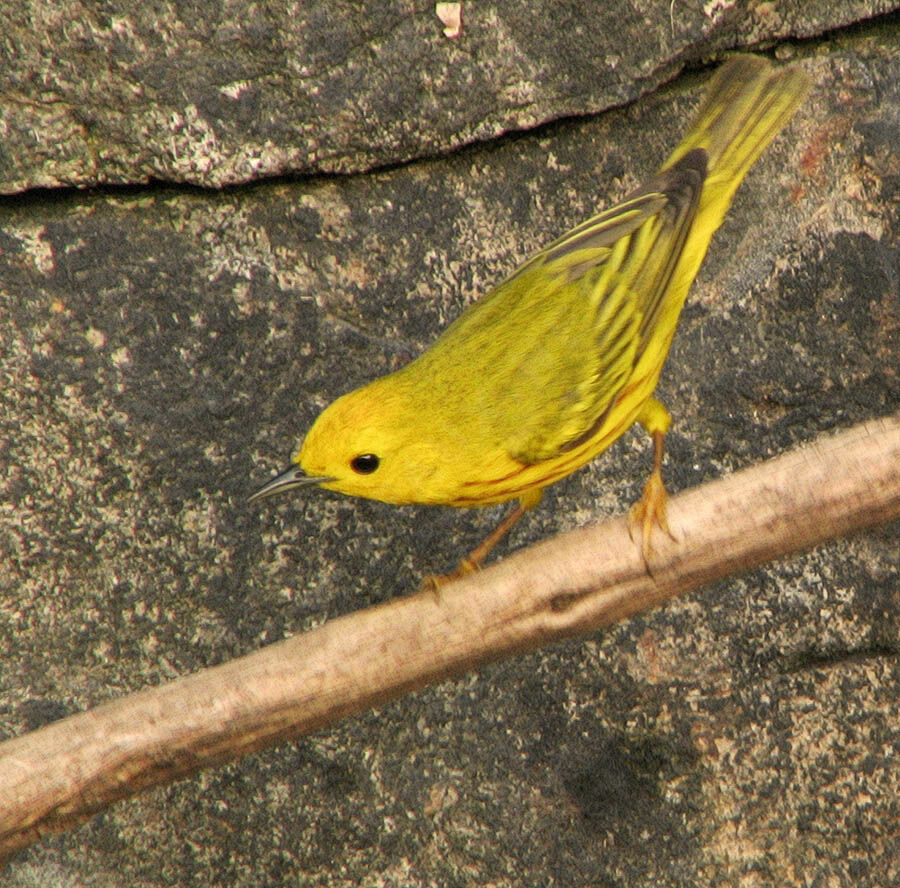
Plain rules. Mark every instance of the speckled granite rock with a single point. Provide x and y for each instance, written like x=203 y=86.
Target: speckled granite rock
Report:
x=222 y=93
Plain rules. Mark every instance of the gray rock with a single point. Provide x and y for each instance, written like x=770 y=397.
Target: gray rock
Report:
x=215 y=94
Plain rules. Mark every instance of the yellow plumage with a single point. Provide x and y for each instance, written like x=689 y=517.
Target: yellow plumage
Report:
x=552 y=366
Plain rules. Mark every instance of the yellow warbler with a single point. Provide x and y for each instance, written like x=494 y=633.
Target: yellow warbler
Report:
x=551 y=367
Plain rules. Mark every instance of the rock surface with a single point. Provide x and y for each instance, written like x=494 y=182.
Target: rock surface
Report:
x=163 y=348
x=215 y=94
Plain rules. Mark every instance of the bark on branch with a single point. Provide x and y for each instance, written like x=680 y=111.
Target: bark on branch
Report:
x=59 y=775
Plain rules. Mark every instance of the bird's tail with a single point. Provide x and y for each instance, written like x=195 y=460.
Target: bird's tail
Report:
x=747 y=103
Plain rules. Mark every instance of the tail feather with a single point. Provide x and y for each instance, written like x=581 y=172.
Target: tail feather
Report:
x=747 y=103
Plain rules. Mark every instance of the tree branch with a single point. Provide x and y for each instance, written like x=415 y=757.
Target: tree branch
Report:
x=59 y=775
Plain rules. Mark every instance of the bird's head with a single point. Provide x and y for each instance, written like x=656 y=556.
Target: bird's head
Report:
x=371 y=443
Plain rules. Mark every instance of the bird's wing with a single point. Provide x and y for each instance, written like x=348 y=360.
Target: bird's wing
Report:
x=583 y=311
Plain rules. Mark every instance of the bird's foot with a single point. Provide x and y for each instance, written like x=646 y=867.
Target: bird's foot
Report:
x=434 y=582
x=650 y=509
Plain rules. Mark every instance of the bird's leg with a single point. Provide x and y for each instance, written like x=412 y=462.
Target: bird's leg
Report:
x=650 y=509
x=476 y=557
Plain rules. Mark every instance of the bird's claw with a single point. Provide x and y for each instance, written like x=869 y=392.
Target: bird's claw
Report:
x=650 y=509
x=434 y=582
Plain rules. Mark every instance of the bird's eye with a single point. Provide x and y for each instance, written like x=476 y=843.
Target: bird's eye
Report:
x=365 y=463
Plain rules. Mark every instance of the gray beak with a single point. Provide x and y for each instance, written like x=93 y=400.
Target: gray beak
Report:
x=288 y=480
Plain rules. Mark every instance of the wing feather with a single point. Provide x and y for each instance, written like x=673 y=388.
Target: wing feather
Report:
x=621 y=263
x=536 y=364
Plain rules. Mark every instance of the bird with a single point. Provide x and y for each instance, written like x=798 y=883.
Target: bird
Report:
x=544 y=372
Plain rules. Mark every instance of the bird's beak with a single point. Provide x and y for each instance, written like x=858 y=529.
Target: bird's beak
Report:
x=288 y=480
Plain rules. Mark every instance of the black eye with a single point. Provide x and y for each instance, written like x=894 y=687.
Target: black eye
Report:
x=365 y=463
